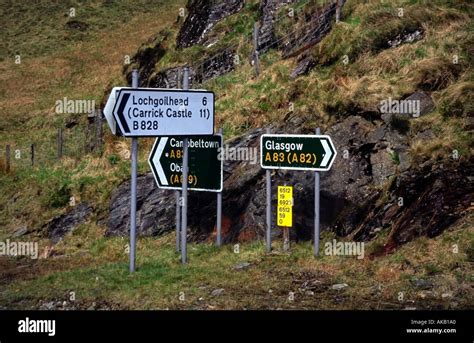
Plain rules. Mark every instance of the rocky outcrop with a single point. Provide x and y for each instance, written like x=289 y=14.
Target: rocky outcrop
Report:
x=415 y=105
x=424 y=200
x=312 y=31
x=154 y=209
x=60 y=226
x=146 y=58
x=371 y=158
x=217 y=65
x=313 y=28
x=203 y=15
x=268 y=15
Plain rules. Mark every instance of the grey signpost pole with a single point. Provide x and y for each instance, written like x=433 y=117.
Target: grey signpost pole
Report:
x=133 y=198
x=178 y=203
x=316 y=208
x=219 y=211
x=178 y=221
x=269 y=207
x=184 y=204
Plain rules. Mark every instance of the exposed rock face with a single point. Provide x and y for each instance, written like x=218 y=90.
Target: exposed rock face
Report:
x=351 y=192
x=266 y=34
x=415 y=105
x=154 y=209
x=217 y=65
x=312 y=32
x=146 y=58
x=423 y=201
x=203 y=15
x=58 y=227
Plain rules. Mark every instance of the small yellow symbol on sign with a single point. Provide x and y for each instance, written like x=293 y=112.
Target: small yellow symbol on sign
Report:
x=285 y=206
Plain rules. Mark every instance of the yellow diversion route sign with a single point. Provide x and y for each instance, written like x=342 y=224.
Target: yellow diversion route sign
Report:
x=285 y=206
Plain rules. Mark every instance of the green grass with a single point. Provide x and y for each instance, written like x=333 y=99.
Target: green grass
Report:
x=40 y=28
x=160 y=278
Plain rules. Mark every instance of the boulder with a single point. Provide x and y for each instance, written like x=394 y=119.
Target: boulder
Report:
x=304 y=67
x=427 y=104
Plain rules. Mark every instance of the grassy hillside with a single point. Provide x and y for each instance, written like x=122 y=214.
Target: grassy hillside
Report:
x=57 y=63
x=82 y=57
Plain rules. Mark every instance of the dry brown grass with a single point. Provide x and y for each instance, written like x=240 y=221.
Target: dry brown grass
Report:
x=83 y=71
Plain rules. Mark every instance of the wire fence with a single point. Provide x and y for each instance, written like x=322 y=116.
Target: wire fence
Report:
x=64 y=142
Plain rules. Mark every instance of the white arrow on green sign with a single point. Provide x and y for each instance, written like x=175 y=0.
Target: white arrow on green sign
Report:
x=205 y=168
x=297 y=152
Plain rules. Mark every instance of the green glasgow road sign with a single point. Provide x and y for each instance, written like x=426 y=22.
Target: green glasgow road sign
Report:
x=205 y=169
x=297 y=152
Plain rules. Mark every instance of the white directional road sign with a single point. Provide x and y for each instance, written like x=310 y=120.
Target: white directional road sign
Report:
x=109 y=109
x=142 y=112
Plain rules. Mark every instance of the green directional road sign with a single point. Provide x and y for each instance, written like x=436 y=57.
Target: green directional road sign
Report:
x=205 y=168
x=297 y=152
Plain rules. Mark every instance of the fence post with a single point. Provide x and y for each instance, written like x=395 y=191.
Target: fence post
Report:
x=256 y=62
x=7 y=158
x=60 y=143
x=98 y=131
x=32 y=152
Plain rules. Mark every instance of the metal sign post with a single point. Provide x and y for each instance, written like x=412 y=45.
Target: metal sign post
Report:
x=133 y=196
x=184 y=192
x=269 y=207
x=219 y=209
x=297 y=152
x=178 y=221
x=316 y=208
